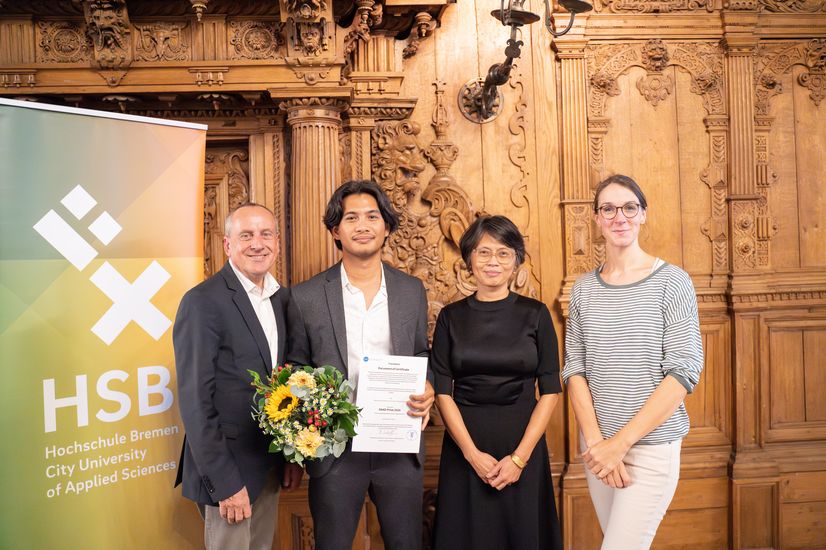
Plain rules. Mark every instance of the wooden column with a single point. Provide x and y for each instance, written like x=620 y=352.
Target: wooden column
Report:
x=268 y=186
x=576 y=184
x=359 y=124
x=315 y=124
x=754 y=475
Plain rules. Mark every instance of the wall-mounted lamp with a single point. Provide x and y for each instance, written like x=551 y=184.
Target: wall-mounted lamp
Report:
x=480 y=100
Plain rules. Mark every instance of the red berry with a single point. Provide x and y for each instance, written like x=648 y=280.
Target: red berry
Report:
x=323 y=422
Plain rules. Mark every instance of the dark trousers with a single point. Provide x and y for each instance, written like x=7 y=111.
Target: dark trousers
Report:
x=394 y=483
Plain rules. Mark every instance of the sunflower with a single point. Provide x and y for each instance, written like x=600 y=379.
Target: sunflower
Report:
x=280 y=404
x=301 y=378
x=307 y=442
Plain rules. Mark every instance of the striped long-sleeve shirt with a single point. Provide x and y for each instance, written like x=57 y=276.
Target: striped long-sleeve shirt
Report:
x=625 y=339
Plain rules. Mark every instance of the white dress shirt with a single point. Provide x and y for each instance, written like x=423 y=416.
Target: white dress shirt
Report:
x=261 y=304
x=368 y=330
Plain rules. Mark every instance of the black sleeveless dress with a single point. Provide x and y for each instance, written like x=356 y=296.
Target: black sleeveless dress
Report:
x=489 y=355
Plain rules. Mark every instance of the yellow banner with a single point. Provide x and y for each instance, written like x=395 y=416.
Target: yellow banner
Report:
x=101 y=233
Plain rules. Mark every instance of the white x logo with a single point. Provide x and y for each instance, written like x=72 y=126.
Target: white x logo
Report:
x=130 y=301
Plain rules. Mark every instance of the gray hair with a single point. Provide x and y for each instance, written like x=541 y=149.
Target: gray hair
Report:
x=228 y=220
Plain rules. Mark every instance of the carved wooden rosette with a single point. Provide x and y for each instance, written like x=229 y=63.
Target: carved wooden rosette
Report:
x=226 y=186
x=62 y=42
x=703 y=61
x=256 y=39
x=315 y=124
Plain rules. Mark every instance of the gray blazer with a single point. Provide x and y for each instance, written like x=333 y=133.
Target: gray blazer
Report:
x=217 y=337
x=318 y=334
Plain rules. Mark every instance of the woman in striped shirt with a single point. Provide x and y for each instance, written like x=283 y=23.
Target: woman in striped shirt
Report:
x=632 y=353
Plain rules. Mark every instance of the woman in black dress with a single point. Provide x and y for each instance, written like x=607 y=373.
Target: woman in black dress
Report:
x=490 y=352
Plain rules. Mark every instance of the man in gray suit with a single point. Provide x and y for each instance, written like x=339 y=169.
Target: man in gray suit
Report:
x=357 y=308
x=232 y=322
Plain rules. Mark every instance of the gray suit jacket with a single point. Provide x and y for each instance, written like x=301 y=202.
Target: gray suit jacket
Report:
x=217 y=337
x=318 y=334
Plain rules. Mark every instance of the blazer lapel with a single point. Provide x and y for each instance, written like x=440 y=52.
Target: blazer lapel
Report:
x=277 y=300
x=242 y=302
x=335 y=303
x=394 y=311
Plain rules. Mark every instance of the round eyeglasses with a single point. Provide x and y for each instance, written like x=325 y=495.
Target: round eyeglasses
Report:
x=629 y=210
x=503 y=255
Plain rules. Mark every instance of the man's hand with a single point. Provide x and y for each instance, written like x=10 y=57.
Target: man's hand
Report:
x=292 y=477
x=420 y=404
x=236 y=508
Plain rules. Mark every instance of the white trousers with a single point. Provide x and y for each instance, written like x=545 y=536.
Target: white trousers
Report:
x=254 y=533
x=629 y=517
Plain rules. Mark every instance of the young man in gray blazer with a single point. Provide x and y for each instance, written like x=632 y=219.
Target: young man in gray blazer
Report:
x=361 y=307
x=232 y=322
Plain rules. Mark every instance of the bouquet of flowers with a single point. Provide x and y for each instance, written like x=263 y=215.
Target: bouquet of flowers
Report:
x=306 y=411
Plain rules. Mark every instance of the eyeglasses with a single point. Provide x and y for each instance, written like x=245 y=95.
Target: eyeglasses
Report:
x=503 y=255
x=609 y=211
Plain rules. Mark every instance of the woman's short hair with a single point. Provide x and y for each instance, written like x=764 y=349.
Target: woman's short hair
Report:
x=499 y=228
x=335 y=206
x=623 y=181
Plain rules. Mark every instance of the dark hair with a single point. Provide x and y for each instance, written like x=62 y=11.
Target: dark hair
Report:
x=623 y=181
x=228 y=219
x=335 y=206
x=498 y=227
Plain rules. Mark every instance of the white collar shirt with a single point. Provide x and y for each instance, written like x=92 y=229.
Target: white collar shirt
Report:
x=368 y=329
x=261 y=304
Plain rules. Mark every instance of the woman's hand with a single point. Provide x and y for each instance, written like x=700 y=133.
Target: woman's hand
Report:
x=482 y=464
x=604 y=457
x=618 y=478
x=505 y=473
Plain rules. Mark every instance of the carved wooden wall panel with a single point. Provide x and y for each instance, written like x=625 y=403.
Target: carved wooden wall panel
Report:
x=715 y=106
x=226 y=186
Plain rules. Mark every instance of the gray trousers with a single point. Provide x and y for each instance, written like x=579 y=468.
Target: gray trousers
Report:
x=254 y=533
x=394 y=483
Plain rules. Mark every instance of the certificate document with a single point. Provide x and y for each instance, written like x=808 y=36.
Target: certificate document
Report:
x=384 y=388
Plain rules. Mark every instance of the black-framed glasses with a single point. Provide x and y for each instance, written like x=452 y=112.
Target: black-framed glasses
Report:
x=629 y=210
x=503 y=255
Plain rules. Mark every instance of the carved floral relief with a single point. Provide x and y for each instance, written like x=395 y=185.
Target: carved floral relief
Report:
x=652 y=6
x=255 y=39
x=62 y=42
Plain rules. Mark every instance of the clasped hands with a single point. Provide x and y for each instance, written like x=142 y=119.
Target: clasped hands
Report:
x=496 y=473
x=604 y=460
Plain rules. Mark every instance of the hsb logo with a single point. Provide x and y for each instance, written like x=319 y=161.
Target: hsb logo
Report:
x=130 y=302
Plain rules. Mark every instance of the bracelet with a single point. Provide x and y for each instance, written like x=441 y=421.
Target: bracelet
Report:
x=518 y=461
